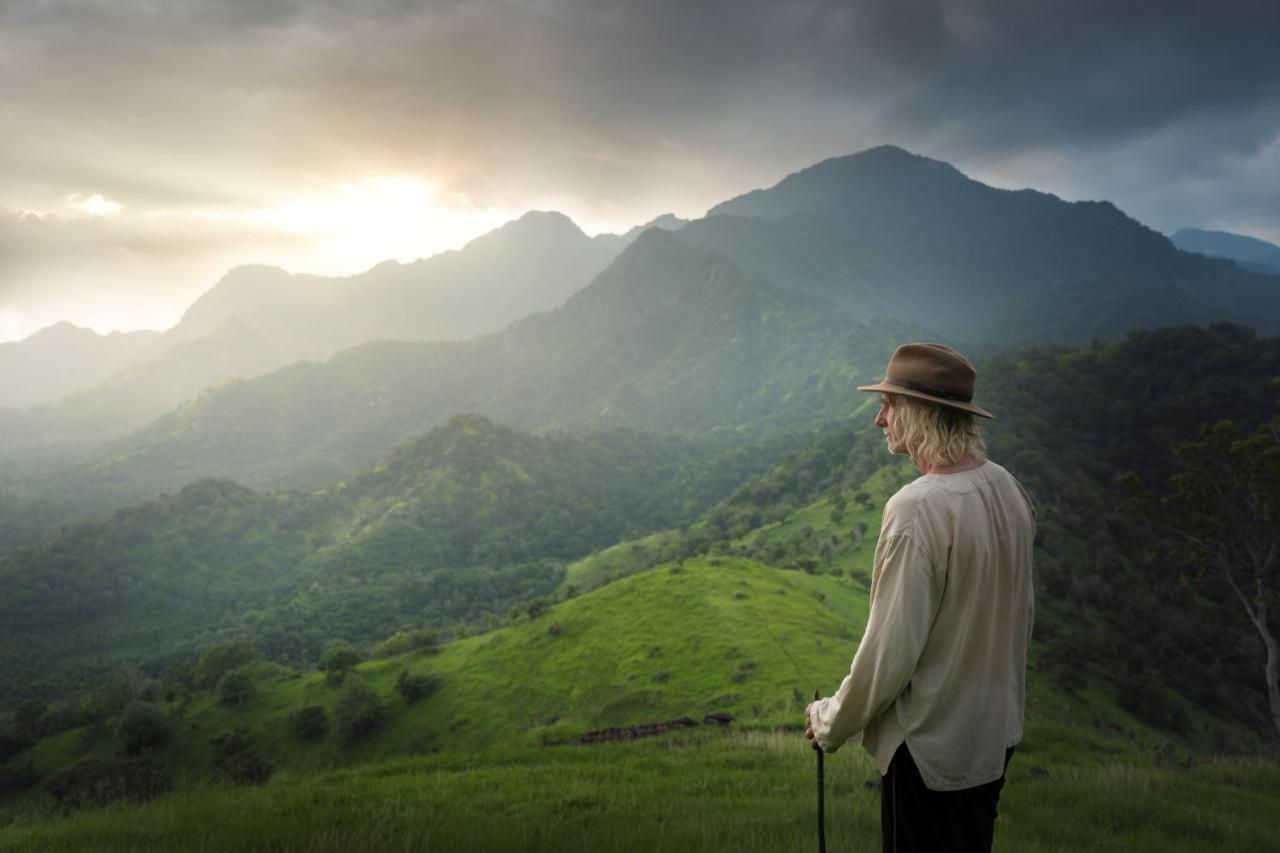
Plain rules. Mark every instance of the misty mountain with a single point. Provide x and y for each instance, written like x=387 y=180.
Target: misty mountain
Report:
x=886 y=232
x=468 y=519
x=1248 y=252
x=668 y=337
x=531 y=264
x=64 y=358
x=139 y=393
x=256 y=319
x=665 y=222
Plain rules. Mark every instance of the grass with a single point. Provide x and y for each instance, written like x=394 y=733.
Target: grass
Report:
x=704 y=790
x=467 y=769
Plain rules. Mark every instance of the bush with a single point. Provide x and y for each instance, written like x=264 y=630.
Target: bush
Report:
x=358 y=712
x=309 y=723
x=142 y=727
x=338 y=659
x=236 y=688
x=221 y=659
x=30 y=720
x=403 y=642
x=11 y=743
x=415 y=686
x=15 y=780
x=97 y=781
x=235 y=759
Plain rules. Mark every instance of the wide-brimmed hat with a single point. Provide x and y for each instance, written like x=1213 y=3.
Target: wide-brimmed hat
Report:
x=931 y=372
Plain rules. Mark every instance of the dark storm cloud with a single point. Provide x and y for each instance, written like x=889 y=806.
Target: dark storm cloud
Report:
x=616 y=111
x=553 y=84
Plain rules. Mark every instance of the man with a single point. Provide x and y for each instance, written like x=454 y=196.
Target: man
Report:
x=936 y=686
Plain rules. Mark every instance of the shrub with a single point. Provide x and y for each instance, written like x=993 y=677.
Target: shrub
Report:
x=97 y=781
x=218 y=660
x=338 y=659
x=142 y=727
x=661 y=676
x=309 y=723
x=415 y=686
x=358 y=712
x=11 y=743
x=235 y=759
x=236 y=688
x=403 y=642
x=30 y=720
x=14 y=780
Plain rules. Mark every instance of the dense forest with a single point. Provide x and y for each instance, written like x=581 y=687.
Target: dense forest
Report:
x=452 y=528
x=456 y=528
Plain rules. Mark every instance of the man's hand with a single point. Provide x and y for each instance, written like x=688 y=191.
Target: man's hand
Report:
x=808 y=728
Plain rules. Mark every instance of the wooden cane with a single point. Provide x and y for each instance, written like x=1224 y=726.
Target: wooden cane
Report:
x=822 y=824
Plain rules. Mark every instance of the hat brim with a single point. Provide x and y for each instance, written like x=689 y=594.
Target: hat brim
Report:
x=886 y=388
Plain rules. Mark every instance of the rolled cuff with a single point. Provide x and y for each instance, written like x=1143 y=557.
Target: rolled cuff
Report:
x=822 y=719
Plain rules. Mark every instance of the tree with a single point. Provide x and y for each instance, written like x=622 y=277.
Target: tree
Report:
x=309 y=723
x=338 y=659
x=236 y=688
x=415 y=686
x=1223 y=508
x=220 y=659
x=358 y=711
x=143 y=727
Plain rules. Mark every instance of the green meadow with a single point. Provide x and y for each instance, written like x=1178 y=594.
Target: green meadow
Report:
x=490 y=760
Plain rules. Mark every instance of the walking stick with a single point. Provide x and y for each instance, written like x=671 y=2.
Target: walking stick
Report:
x=822 y=824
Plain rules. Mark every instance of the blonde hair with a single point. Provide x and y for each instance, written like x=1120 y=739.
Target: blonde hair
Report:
x=936 y=435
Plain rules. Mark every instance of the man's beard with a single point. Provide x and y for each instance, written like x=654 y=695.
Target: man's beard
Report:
x=895 y=444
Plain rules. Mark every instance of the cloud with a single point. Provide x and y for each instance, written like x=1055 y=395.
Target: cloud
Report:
x=111 y=273
x=615 y=111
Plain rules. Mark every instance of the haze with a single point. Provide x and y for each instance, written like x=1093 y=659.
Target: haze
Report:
x=149 y=147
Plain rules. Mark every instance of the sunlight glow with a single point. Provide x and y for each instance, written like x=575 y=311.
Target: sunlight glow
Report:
x=94 y=205
x=356 y=225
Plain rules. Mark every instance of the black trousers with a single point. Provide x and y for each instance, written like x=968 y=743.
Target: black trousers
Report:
x=914 y=819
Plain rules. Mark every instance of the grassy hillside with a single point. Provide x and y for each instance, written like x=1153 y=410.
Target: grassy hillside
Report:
x=454 y=527
x=467 y=768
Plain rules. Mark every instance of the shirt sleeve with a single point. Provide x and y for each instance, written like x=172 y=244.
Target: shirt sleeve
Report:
x=906 y=591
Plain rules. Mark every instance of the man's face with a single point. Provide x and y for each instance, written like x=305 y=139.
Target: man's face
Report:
x=884 y=420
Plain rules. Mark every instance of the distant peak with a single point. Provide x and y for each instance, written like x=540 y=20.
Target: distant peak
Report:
x=253 y=272
x=62 y=330
x=545 y=220
x=536 y=224
x=881 y=157
x=884 y=168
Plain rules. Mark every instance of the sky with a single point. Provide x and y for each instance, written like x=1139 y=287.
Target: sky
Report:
x=148 y=146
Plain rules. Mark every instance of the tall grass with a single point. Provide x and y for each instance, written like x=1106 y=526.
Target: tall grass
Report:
x=702 y=790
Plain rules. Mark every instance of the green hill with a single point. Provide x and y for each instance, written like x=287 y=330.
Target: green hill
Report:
x=471 y=765
x=454 y=527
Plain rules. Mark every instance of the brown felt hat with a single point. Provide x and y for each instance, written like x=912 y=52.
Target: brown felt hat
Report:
x=931 y=372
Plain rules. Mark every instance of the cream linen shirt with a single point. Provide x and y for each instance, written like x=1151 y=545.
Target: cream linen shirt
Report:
x=942 y=664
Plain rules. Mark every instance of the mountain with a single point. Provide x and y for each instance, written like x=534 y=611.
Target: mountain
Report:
x=466 y=520
x=139 y=393
x=531 y=264
x=890 y=233
x=668 y=337
x=64 y=358
x=85 y=388
x=666 y=222
x=1248 y=252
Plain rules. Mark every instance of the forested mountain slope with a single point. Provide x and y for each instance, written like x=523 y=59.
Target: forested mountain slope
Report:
x=886 y=232
x=669 y=337
x=464 y=521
